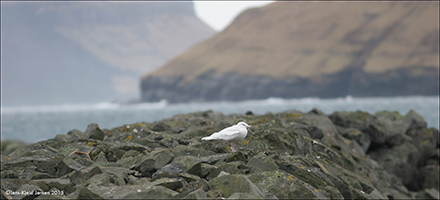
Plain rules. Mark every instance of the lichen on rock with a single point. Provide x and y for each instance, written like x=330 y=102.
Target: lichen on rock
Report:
x=285 y=155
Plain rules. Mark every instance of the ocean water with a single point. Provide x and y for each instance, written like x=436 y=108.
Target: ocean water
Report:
x=35 y=123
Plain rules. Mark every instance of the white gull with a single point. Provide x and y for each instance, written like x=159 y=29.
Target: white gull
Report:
x=233 y=134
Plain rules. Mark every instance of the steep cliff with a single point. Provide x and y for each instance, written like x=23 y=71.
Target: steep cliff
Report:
x=299 y=49
x=70 y=52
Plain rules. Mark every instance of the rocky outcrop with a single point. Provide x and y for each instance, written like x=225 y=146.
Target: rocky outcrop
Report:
x=303 y=49
x=345 y=155
x=80 y=52
x=237 y=87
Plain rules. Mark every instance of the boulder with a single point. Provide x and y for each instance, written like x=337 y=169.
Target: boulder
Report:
x=190 y=164
x=94 y=132
x=233 y=183
x=150 y=163
x=84 y=193
x=262 y=162
x=198 y=194
x=281 y=184
x=171 y=170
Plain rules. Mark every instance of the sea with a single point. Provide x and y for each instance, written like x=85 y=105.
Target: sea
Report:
x=35 y=123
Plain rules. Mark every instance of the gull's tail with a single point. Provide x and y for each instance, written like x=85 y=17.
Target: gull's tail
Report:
x=207 y=138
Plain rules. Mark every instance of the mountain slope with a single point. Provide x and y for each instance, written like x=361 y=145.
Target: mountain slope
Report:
x=298 y=49
x=79 y=52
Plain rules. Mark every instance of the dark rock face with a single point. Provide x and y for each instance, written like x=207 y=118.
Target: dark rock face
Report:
x=238 y=87
x=345 y=155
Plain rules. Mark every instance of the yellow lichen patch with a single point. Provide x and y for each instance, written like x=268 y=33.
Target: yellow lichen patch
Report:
x=245 y=142
x=302 y=167
x=227 y=147
x=316 y=190
x=180 y=190
x=129 y=138
x=292 y=115
x=264 y=120
x=289 y=178
x=108 y=133
x=91 y=143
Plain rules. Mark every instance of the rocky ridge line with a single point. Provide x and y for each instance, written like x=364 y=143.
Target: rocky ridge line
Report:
x=344 y=155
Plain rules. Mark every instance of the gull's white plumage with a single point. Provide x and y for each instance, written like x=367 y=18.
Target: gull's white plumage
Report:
x=231 y=134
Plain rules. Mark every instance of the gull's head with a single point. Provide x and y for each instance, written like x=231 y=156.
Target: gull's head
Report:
x=243 y=124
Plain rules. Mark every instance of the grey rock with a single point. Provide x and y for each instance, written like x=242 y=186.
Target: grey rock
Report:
x=414 y=120
x=155 y=192
x=233 y=183
x=198 y=194
x=171 y=183
x=161 y=127
x=153 y=161
x=280 y=184
x=171 y=170
x=72 y=136
x=315 y=132
x=241 y=195
x=84 y=193
x=431 y=176
x=94 y=132
x=262 y=162
x=235 y=167
x=8 y=146
x=191 y=164
x=61 y=184
x=190 y=151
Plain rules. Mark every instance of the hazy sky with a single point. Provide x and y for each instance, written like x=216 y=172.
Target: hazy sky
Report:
x=219 y=14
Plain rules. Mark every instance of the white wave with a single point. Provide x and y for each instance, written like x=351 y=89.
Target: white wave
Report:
x=61 y=108
x=272 y=101
x=147 y=105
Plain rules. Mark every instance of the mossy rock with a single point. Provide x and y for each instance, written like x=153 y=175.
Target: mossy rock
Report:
x=172 y=170
x=233 y=183
x=149 y=163
x=237 y=167
x=181 y=150
x=8 y=146
x=84 y=193
x=198 y=194
x=263 y=162
x=191 y=164
x=94 y=132
x=281 y=184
